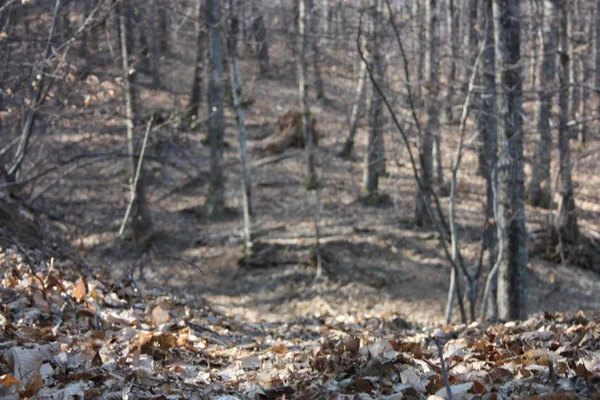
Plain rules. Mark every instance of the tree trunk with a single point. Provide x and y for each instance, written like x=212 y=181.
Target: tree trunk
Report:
x=215 y=201
x=573 y=22
x=486 y=127
x=141 y=222
x=155 y=43
x=539 y=190
x=567 y=218
x=417 y=17
x=374 y=157
x=511 y=223
x=236 y=84
x=452 y=33
x=597 y=55
x=196 y=95
x=259 y=31
x=310 y=181
x=346 y=152
x=431 y=98
x=316 y=53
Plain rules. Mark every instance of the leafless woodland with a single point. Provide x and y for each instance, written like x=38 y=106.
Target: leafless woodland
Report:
x=436 y=159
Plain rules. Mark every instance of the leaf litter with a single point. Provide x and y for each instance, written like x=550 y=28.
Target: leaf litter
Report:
x=63 y=336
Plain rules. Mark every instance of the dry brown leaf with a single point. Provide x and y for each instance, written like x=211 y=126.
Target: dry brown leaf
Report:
x=279 y=348
x=80 y=290
x=160 y=316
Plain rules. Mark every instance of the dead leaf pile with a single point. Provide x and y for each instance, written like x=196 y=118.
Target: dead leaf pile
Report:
x=68 y=336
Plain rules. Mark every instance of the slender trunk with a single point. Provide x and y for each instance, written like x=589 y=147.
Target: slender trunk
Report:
x=539 y=191
x=215 y=201
x=452 y=33
x=155 y=43
x=163 y=29
x=419 y=22
x=486 y=127
x=259 y=30
x=597 y=55
x=236 y=84
x=346 y=152
x=372 y=166
x=513 y=268
x=316 y=53
x=425 y=147
x=196 y=95
x=141 y=223
x=310 y=181
x=470 y=35
x=573 y=22
x=567 y=218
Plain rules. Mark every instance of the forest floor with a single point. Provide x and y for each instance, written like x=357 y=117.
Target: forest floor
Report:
x=382 y=275
x=375 y=260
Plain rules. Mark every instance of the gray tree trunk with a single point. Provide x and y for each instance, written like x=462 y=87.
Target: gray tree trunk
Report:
x=141 y=222
x=310 y=181
x=236 y=84
x=486 y=127
x=567 y=218
x=316 y=53
x=374 y=157
x=573 y=25
x=597 y=55
x=155 y=43
x=346 y=152
x=539 y=190
x=452 y=14
x=422 y=217
x=196 y=95
x=259 y=31
x=215 y=201
x=511 y=196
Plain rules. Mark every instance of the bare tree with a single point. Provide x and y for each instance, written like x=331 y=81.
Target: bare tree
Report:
x=215 y=201
x=432 y=126
x=236 y=84
x=259 y=31
x=141 y=223
x=361 y=86
x=539 y=190
x=511 y=196
x=486 y=130
x=39 y=84
x=567 y=218
x=310 y=181
x=196 y=95
x=315 y=50
x=374 y=157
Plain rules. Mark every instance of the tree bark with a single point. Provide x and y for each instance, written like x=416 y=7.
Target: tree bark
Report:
x=259 y=31
x=567 y=218
x=374 y=157
x=426 y=142
x=513 y=268
x=215 y=201
x=316 y=53
x=597 y=55
x=486 y=127
x=539 y=190
x=346 y=152
x=236 y=85
x=196 y=95
x=310 y=181
x=141 y=222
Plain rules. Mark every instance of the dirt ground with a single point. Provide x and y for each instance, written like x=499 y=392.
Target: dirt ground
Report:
x=375 y=261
